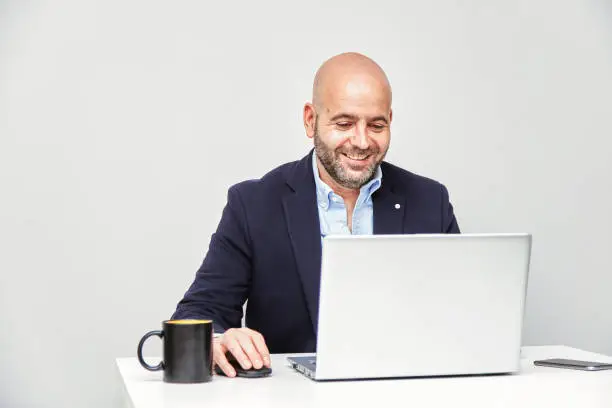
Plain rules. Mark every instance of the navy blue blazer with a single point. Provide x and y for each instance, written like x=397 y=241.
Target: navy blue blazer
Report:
x=267 y=249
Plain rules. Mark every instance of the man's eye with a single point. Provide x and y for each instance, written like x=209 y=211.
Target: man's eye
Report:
x=344 y=125
x=377 y=126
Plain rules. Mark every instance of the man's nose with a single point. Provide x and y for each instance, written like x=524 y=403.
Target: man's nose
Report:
x=360 y=137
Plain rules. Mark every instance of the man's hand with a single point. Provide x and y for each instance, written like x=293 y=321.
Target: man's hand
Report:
x=248 y=346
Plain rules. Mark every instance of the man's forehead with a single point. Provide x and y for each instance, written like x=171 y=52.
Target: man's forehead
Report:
x=359 y=91
x=367 y=106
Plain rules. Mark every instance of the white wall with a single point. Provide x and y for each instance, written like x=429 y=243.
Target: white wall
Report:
x=123 y=123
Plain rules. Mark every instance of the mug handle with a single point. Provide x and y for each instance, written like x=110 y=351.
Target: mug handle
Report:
x=158 y=367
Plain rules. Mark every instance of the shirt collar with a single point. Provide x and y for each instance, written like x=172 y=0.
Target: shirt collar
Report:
x=324 y=192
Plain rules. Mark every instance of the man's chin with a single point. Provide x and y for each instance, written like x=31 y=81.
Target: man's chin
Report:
x=356 y=179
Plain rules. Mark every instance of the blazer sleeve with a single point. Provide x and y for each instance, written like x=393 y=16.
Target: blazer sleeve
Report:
x=222 y=283
x=449 y=221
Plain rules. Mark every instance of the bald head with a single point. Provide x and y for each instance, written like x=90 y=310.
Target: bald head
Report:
x=349 y=72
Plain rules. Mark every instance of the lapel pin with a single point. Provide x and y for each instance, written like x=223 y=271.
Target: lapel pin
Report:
x=397 y=206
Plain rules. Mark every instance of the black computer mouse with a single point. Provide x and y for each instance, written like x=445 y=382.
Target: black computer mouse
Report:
x=241 y=372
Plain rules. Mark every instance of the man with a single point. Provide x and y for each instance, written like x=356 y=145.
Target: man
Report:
x=267 y=247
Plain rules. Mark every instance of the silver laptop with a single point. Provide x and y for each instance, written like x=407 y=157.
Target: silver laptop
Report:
x=419 y=305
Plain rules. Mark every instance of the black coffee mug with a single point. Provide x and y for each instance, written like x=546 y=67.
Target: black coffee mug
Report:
x=188 y=351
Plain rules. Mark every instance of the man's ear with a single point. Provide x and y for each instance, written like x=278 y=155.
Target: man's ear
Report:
x=310 y=117
x=390 y=115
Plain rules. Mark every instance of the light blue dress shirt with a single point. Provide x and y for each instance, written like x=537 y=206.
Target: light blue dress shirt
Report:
x=332 y=211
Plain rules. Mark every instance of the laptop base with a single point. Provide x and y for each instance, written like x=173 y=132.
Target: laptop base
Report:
x=304 y=364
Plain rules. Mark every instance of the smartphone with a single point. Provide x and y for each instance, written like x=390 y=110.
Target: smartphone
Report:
x=574 y=364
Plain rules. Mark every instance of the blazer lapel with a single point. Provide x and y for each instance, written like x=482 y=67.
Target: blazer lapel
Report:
x=389 y=209
x=301 y=213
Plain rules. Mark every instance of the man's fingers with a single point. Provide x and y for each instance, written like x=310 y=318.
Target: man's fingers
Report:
x=247 y=346
x=221 y=360
x=234 y=345
x=246 y=342
x=260 y=345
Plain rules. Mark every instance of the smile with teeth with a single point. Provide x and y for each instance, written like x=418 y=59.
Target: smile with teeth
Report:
x=357 y=158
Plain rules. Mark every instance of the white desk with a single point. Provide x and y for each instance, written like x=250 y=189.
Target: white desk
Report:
x=533 y=387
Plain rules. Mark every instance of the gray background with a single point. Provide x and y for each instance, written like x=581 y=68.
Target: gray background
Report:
x=123 y=123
